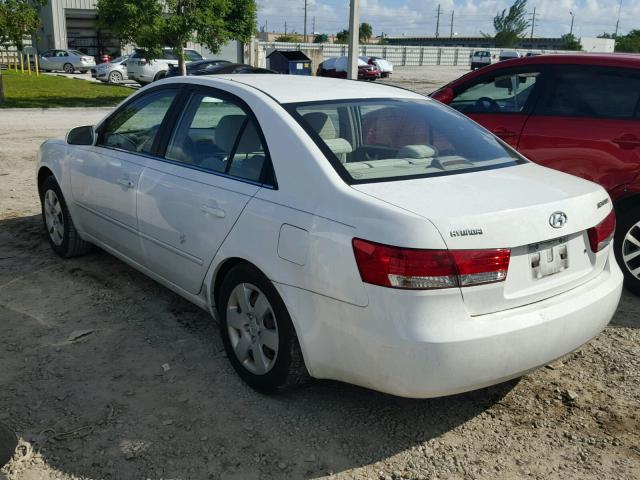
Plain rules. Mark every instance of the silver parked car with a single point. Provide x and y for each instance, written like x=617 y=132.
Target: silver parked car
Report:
x=114 y=71
x=67 y=61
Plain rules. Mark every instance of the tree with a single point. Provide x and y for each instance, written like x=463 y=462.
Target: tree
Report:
x=511 y=25
x=366 y=32
x=570 y=42
x=154 y=24
x=321 y=38
x=342 y=36
x=289 y=37
x=629 y=42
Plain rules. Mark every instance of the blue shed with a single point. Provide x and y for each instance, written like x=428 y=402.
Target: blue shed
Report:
x=292 y=62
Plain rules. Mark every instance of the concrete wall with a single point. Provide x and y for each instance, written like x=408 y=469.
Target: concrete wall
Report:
x=598 y=45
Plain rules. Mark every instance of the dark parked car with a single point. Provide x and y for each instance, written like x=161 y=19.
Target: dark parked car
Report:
x=202 y=67
x=577 y=113
x=230 y=68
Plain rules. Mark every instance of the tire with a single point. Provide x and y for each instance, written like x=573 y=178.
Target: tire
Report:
x=61 y=232
x=115 y=77
x=627 y=234
x=159 y=76
x=68 y=68
x=253 y=318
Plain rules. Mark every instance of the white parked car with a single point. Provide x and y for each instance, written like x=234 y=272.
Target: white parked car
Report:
x=114 y=71
x=508 y=55
x=67 y=61
x=480 y=58
x=385 y=66
x=146 y=71
x=340 y=230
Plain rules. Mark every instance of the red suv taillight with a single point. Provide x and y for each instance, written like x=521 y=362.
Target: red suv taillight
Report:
x=601 y=234
x=411 y=268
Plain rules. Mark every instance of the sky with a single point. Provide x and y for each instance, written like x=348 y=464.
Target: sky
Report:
x=470 y=18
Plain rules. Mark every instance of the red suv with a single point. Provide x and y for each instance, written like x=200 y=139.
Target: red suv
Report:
x=576 y=113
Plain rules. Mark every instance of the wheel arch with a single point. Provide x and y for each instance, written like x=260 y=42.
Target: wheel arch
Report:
x=44 y=173
x=626 y=204
x=221 y=272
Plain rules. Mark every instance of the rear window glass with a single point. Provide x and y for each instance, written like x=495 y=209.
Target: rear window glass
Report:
x=192 y=55
x=592 y=93
x=377 y=140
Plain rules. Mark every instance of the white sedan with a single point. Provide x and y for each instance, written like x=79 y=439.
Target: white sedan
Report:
x=362 y=233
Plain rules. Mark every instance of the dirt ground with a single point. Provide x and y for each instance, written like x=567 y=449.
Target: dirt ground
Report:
x=83 y=343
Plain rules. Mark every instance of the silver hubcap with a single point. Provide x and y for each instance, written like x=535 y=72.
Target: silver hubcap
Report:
x=631 y=250
x=116 y=77
x=53 y=217
x=252 y=328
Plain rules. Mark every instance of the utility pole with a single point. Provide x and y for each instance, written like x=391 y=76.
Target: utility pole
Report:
x=266 y=26
x=615 y=35
x=354 y=36
x=451 y=31
x=438 y=22
x=314 y=26
x=572 y=16
x=305 y=21
x=533 y=21
x=285 y=28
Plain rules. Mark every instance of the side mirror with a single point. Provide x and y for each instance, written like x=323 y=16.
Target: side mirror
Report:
x=444 y=95
x=81 y=135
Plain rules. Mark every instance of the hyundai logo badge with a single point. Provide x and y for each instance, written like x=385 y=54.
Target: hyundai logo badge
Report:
x=558 y=219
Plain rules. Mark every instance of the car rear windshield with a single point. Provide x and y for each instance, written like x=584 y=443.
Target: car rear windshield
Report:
x=377 y=140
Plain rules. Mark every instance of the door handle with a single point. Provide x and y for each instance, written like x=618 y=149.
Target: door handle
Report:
x=627 y=141
x=125 y=182
x=503 y=133
x=215 y=211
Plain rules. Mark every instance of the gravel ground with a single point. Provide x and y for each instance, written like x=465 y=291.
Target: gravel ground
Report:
x=83 y=343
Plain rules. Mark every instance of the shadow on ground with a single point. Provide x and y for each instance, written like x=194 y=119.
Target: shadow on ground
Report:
x=110 y=375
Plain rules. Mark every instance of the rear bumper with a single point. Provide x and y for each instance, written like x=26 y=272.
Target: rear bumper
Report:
x=426 y=345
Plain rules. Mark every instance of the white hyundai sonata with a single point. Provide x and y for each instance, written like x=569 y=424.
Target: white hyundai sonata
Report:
x=340 y=230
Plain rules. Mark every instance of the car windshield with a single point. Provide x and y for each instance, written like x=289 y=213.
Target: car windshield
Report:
x=377 y=140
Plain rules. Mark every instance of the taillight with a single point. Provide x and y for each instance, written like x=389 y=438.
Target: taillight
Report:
x=411 y=268
x=600 y=236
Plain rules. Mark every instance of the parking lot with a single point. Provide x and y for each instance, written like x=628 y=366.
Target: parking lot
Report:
x=106 y=374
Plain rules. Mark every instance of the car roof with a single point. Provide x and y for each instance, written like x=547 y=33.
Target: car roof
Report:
x=300 y=88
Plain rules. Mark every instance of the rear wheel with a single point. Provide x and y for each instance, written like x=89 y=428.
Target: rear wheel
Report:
x=63 y=236
x=627 y=248
x=115 y=77
x=257 y=332
x=68 y=68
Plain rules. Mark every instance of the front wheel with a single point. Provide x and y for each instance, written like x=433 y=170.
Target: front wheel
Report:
x=257 y=332
x=68 y=68
x=627 y=248
x=61 y=232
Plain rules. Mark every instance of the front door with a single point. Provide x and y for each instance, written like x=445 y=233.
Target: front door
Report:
x=189 y=201
x=500 y=101
x=105 y=177
x=587 y=124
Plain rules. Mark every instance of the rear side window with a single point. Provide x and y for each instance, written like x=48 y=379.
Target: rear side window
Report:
x=591 y=92
x=192 y=55
x=216 y=134
x=507 y=93
x=134 y=126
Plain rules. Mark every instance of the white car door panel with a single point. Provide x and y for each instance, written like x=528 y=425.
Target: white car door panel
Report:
x=103 y=183
x=185 y=214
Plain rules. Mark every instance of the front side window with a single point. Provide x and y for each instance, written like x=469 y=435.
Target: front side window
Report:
x=217 y=135
x=134 y=127
x=588 y=92
x=389 y=139
x=502 y=94
x=192 y=55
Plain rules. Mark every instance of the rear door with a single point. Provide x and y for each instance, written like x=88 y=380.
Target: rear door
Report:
x=501 y=100
x=586 y=123
x=215 y=162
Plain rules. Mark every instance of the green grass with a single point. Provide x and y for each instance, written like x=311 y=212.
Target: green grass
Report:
x=49 y=91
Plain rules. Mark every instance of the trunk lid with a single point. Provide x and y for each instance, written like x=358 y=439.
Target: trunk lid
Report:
x=511 y=208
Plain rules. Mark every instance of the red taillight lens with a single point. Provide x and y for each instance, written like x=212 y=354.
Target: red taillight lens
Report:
x=601 y=234
x=411 y=268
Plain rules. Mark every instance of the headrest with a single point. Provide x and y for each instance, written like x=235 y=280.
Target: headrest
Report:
x=321 y=124
x=227 y=131
x=417 y=151
x=250 y=141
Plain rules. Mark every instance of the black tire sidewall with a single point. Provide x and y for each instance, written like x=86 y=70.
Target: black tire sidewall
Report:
x=51 y=184
x=624 y=223
x=278 y=375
